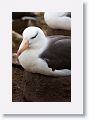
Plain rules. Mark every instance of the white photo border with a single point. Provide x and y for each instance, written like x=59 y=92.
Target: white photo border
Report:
x=76 y=104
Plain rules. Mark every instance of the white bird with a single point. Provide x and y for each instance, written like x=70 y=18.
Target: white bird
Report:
x=58 y=20
x=49 y=56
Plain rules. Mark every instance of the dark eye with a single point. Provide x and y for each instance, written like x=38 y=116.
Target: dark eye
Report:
x=34 y=36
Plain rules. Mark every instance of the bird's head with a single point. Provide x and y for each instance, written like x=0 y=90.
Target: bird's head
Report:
x=32 y=36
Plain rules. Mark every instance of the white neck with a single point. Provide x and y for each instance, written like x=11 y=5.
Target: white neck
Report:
x=39 y=46
x=30 y=56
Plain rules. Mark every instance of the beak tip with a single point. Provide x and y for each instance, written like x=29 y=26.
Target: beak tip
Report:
x=18 y=53
x=24 y=45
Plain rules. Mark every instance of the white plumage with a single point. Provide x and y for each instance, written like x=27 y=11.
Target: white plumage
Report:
x=28 y=55
x=58 y=20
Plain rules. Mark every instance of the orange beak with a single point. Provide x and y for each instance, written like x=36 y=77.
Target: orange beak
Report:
x=23 y=46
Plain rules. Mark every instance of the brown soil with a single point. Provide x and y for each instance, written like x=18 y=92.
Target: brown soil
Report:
x=17 y=93
x=39 y=88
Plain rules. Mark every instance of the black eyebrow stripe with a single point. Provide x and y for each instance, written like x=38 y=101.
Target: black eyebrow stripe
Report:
x=34 y=36
x=68 y=14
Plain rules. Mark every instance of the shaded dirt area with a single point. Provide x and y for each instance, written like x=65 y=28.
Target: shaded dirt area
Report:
x=41 y=88
x=17 y=93
x=28 y=87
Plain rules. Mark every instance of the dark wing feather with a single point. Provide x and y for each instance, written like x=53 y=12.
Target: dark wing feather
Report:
x=58 y=53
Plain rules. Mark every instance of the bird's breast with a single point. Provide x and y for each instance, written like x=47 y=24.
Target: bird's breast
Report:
x=28 y=58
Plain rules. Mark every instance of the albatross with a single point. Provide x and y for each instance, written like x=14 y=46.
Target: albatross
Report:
x=58 y=20
x=45 y=55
